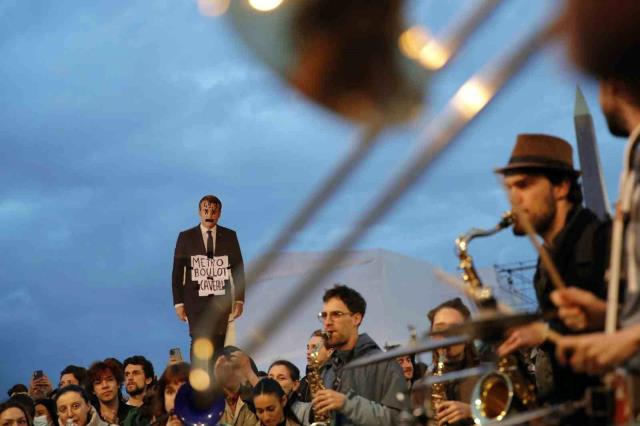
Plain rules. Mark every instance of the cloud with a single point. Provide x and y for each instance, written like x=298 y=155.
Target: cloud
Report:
x=117 y=118
x=18 y=306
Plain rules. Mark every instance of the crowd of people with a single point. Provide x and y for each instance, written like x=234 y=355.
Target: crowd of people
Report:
x=111 y=392
x=570 y=352
x=561 y=355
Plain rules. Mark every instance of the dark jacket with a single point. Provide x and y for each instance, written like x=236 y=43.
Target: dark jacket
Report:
x=136 y=417
x=304 y=390
x=123 y=411
x=371 y=389
x=185 y=290
x=580 y=253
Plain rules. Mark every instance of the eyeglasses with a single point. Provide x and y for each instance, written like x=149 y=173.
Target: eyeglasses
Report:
x=75 y=407
x=333 y=315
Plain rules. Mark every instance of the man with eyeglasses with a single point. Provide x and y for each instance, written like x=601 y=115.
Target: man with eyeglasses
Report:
x=364 y=395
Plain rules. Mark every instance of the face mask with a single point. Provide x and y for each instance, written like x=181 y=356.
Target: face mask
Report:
x=40 y=421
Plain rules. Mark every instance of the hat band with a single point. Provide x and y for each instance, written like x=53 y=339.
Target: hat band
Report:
x=542 y=161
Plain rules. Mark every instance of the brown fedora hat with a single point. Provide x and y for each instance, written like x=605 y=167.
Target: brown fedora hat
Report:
x=537 y=151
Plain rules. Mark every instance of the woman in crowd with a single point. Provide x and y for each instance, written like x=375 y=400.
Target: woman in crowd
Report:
x=455 y=409
x=45 y=413
x=271 y=406
x=163 y=408
x=73 y=406
x=13 y=414
x=288 y=377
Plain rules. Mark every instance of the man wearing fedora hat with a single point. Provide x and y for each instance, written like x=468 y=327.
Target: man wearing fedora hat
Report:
x=543 y=184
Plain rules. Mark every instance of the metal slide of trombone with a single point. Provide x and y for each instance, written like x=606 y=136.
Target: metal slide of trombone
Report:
x=373 y=73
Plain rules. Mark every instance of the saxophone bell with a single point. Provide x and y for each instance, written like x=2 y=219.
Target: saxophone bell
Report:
x=497 y=392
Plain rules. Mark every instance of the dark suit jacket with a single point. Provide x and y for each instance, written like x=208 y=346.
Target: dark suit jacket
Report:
x=185 y=290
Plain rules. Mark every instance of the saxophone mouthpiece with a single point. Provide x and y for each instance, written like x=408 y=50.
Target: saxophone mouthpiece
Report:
x=507 y=219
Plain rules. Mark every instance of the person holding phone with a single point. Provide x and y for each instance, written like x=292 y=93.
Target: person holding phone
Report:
x=40 y=386
x=175 y=356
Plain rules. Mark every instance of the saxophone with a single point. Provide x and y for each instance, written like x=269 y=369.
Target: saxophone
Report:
x=496 y=391
x=317 y=384
x=482 y=295
x=438 y=390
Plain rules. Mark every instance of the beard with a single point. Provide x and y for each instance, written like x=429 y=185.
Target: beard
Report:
x=136 y=391
x=615 y=125
x=336 y=340
x=541 y=222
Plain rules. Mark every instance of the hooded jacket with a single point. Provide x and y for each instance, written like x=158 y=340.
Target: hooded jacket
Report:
x=371 y=389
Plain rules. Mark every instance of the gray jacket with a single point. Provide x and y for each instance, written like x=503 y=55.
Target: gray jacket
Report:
x=302 y=411
x=371 y=389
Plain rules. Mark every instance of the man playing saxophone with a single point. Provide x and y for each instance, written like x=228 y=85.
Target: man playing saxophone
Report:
x=365 y=395
x=543 y=185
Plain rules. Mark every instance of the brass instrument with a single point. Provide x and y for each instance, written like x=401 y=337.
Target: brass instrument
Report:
x=497 y=391
x=482 y=295
x=317 y=384
x=356 y=70
x=438 y=390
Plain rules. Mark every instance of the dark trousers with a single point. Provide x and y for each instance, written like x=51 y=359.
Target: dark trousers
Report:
x=218 y=344
x=210 y=321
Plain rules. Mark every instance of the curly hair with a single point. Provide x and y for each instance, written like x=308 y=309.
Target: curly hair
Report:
x=350 y=297
x=98 y=370
x=146 y=365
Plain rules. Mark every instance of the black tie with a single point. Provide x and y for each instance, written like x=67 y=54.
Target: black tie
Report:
x=209 y=245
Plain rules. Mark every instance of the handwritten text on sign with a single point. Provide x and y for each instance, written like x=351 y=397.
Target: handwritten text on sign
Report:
x=210 y=274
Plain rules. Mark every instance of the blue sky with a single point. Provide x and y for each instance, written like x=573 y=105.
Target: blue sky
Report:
x=116 y=117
